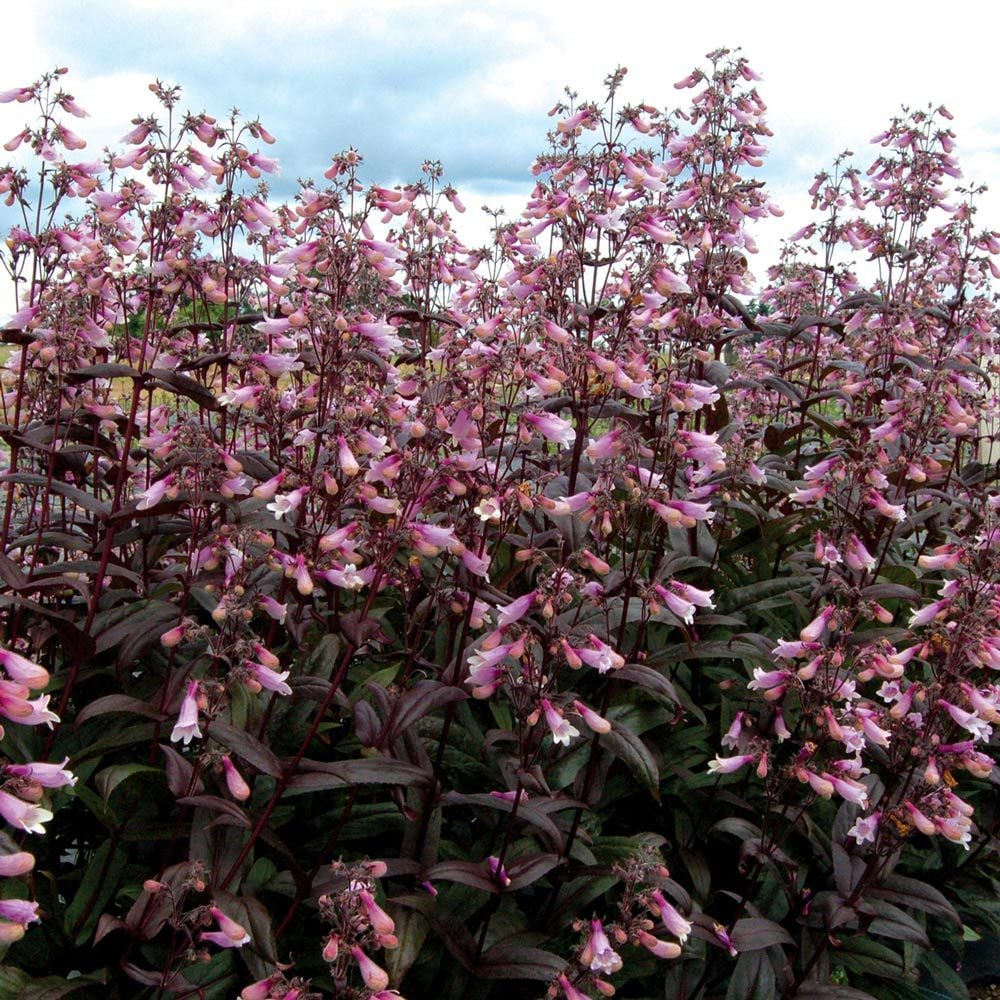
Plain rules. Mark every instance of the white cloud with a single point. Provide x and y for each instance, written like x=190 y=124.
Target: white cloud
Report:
x=471 y=84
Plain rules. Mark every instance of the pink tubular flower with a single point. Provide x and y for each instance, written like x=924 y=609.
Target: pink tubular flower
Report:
x=261 y=990
x=516 y=610
x=186 y=727
x=381 y=922
x=19 y=863
x=600 y=656
x=596 y=723
x=238 y=788
x=926 y=615
x=561 y=729
x=969 y=721
x=374 y=977
x=865 y=828
x=151 y=497
x=22 y=670
x=229 y=935
x=672 y=920
x=284 y=503
x=22 y=814
x=570 y=992
x=552 y=428
x=273 y=609
x=816 y=628
x=661 y=949
x=331 y=949
x=723 y=936
x=46 y=775
x=269 y=679
x=727 y=765
x=597 y=954
x=20 y=911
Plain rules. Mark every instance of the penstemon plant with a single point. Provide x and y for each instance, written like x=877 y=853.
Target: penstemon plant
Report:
x=569 y=615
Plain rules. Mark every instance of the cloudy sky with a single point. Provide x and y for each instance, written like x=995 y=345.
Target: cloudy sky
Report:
x=471 y=83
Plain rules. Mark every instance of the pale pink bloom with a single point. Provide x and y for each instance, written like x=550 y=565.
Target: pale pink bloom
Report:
x=560 y=727
x=682 y=513
x=348 y=577
x=260 y=990
x=816 y=628
x=19 y=863
x=808 y=495
x=267 y=489
x=238 y=788
x=785 y=650
x=597 y=954
x=766 y=680
x=661 y=949
x=273 y=609
x=173 y=637
x=152 y=496
x=284 y=503
x=19 y=94
x=236 y=486
x=23 y=815
x=331 y=949
x=39 y=714
x=22 y=670
x=488 y=509
x=277 y=364
x=732 y=737
x=556 y=333
x=944 y=558
x=269 y=679
x=666 y=282
x=672 y=920
x=606 y=446
x=704 y=448
x=430 y=539
x=984 y=705
x=20 y=911
x=596 y=723
x=570 y=992
x=928 y=614
x=920 y=821
x=46 y=775
x=374 y=978
x=386 y=471
x=865 y=828
x=477 y=565
x=9 y=933
x=552 y=428
x=821 y=786
x=846 y=788
x=383 y=336
x=382 y=505
x=780 y=729
x=229 y=935
x=186 y=727
x=600 y=656
x=728 y=765
x=243 y=395
x=516 y=610
x=681 y=608
x=873 y=733
x=969 y=721
x=894 y=512
x=857 y=556
x=300 y=571
x=381 y=922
